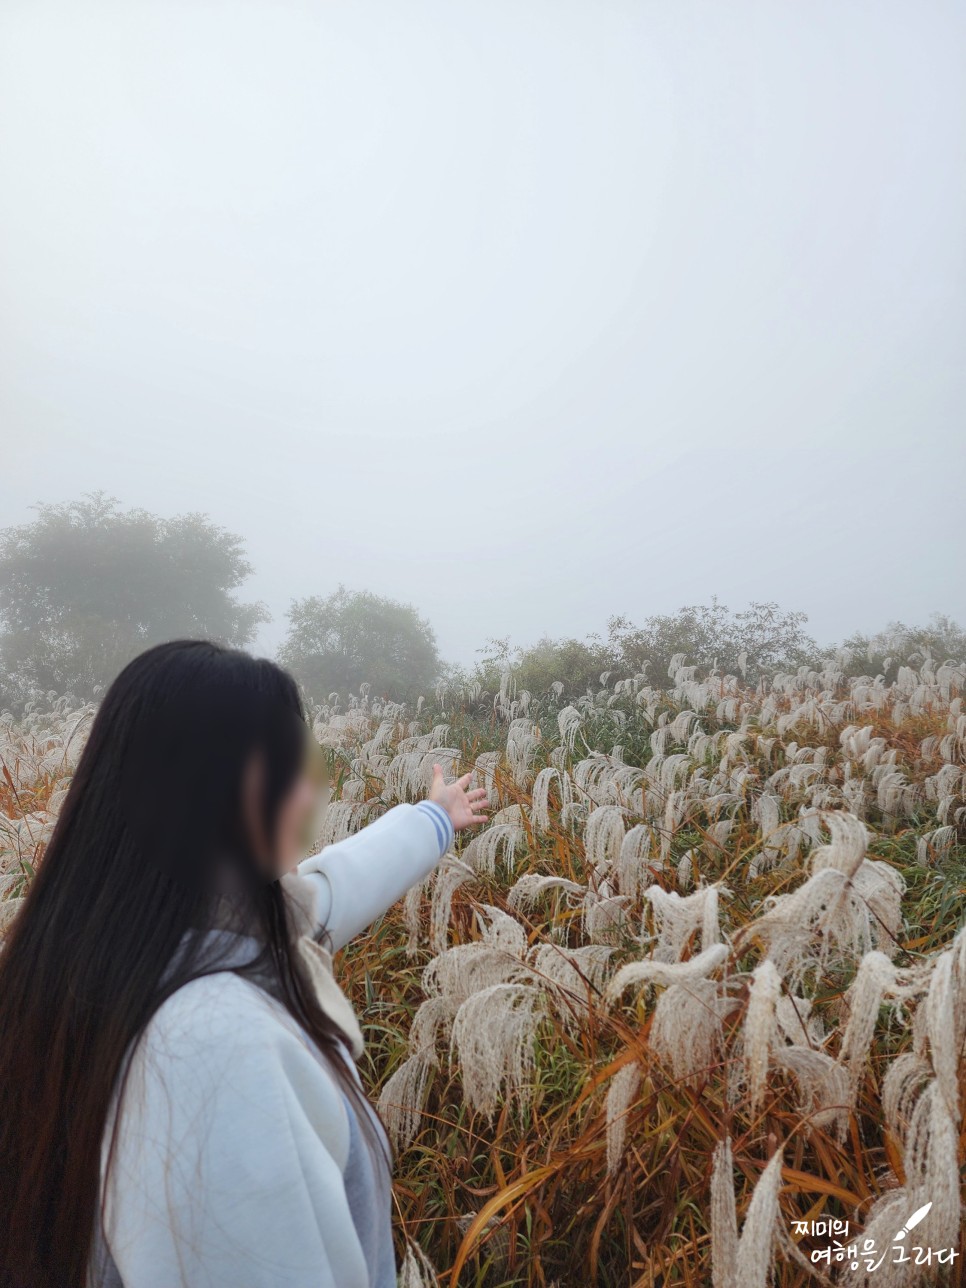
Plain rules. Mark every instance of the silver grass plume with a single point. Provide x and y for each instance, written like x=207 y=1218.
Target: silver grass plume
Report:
x=571 y=976
x=925 y=1112
x=417 y=1270
x=521 y=744
x=932 y=1163
x=604 y=914
x=760 y=1230
x=797 y=1022
x=664 y=973
x=903 y=1084
x=569 y=721
x=465 y=969
x=493 y=1038
x=743 y=1262
x=931 y=1160
x=760 y=1029
x=621 y=1095
x=848 y=905
x=636 y=848
x=450 y=875
x=502 y=930
x=876 y=979
x=603 y=837
x=540 y=795
x=685 y=869
x=687 y=1027
x=484 y=775
x=823 y=1086
x=724 y=1218
x=945 y=1017
x=674 y=813
x=484 y=849
x=494 y=1238
x=677 y=917
x=526 y=890
x=412 y=908
x=401 y=1098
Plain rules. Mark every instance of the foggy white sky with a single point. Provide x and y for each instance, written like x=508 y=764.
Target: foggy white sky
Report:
x=527 y=313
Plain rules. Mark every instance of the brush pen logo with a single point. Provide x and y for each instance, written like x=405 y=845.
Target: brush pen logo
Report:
x=913 y=1221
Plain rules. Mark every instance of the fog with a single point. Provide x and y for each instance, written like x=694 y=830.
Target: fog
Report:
x=527 y=313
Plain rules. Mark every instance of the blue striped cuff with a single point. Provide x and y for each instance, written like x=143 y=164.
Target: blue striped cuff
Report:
x=441 y=821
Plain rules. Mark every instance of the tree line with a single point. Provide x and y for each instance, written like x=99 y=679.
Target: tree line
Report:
x=87 y=585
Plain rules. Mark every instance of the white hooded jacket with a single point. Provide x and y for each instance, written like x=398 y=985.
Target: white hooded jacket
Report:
x=234 y=1139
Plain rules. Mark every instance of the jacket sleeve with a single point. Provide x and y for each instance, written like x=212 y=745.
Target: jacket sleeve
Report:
x=228 y=1169
x=359 y=878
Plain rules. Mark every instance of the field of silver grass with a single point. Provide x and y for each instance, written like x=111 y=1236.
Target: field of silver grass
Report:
x=698 y=988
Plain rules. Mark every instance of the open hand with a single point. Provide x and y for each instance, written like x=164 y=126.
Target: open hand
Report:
x=462 y=806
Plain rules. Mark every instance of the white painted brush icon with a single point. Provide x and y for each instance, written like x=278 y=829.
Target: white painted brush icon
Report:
x=913 y=1221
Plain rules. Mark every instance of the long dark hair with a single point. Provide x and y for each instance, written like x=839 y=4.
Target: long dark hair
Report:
x=151 y=829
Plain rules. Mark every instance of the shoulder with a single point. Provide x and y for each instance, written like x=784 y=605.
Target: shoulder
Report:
x=221 y=1043
x=216 y=1008
x=227 y=1020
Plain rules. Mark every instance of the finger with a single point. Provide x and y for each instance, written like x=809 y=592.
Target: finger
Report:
x=476 y=794
x=464 y=781
x=479 y=818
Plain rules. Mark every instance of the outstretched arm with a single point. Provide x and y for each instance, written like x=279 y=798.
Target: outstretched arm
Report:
x=359 y=878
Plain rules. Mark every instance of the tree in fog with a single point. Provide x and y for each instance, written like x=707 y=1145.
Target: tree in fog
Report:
x=940 y=640
x=576 y=664
x=86 y=586
x=338 y=642
x=760 y=639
